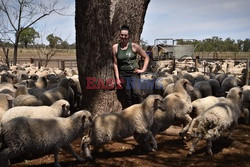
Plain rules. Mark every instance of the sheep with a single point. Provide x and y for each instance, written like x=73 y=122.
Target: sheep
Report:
x=37 y=137
x=161 y=83
x=32 y=89
x=59 y=108
x=5 y=103
x=220 y=77
x=26 y=100
x=215 y=86
x=221 y=116
x=171 y=109
x=23 y=98
x=136 y=119
x=62 y=91
x=246 y=103
x=174 y=107
x=199 y=107
x=228 y=83
x=204 y=87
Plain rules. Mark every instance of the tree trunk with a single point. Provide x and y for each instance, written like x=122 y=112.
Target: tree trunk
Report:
x=16 y=48
x=97 y=28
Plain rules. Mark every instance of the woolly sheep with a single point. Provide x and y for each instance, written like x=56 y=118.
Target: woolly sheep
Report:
x=5 y=103
x=161 y=83
x=62 y=91
x=59 y=108
x=215 y=87
x=26 y=100
x=204 y=87
x=246 y=103
x=228 y=83
x=33 y=89
x=23 y=98
x=221 y=116
x=38 y=137
x=199 y=107
x=136 y=119
x=172 y=108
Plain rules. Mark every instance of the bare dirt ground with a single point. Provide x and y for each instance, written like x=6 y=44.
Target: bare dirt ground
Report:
x=172 y=151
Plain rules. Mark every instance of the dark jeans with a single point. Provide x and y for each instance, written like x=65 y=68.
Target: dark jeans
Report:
x=130 y=93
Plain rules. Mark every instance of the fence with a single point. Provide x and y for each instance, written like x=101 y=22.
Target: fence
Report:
x=59 y=63
x=223 y=55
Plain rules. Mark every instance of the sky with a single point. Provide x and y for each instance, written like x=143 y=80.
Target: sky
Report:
x=186 y=19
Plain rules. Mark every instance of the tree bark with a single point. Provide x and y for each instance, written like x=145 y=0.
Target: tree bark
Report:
x=97 y=29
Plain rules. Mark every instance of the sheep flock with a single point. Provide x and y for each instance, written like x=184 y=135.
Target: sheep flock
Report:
x=41 y=111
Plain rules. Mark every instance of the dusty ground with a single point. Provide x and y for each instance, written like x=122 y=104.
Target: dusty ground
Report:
x=172 y=151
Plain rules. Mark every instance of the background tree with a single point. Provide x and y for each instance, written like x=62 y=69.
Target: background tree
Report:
x=97 y=28
x=27 y=36
x=246 y=45
x=53 y=40
x=18 y=15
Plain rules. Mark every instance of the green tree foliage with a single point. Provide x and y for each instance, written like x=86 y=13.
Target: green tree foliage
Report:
x=28 y=36
x=246 y=45
x=64 y=45
x=53 y=40
x=216 y=44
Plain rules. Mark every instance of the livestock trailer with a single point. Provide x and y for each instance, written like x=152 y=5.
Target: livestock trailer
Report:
x=168 y=48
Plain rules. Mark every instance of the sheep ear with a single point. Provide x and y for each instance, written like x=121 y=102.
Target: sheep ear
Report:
x=15 y=86
x=156 y=104
x=83 y=119
x=240 y=94
x=65 y=110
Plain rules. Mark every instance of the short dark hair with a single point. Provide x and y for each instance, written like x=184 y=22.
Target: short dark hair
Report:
x=125 y=27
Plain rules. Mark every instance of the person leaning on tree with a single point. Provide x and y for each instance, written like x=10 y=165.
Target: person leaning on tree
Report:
x=126 y=68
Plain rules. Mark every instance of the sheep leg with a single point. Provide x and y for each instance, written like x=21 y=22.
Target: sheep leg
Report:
x=193 y=146
x=70 y=149
x=192 y=123
x=246 y=115
x=155 y=147
x=209 y=146
x=85 y=147
x=5 y=155
x=231 y=130
x=56 y=152
x=187 y=119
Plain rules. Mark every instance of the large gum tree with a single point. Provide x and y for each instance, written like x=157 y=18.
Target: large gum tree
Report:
x=97 y=29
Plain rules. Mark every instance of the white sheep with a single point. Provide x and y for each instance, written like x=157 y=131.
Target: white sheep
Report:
x=23 y=98
x=5 y=103
x=37 y=137
x=136 y=119
x=174 y=107
x=63 y=91
x=221 y=116
x=199 y=107
x=246 y=103
x=59 y=108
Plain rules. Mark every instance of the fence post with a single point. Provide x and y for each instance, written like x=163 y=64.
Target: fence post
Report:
x=31 y=60
x=196 y=62
x=247 y=70
x=39 y=64
x=62 y=65
x=174 y=63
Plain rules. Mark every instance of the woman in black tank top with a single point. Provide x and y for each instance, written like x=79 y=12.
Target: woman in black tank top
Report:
x=126 y=68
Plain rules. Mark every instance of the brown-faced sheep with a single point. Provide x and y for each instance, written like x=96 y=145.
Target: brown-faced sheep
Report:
x=221 y=116
x=37 y=137
x=136 y=119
